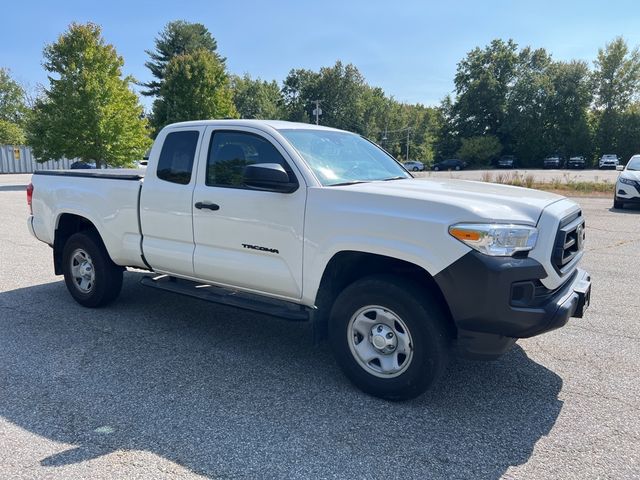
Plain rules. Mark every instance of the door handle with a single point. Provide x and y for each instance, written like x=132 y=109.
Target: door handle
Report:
x=209 y=206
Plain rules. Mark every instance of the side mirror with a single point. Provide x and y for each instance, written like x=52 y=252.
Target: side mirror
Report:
x=268 y=176
x=619 y=167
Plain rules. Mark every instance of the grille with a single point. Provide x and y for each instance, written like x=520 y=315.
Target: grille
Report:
x=569 y=243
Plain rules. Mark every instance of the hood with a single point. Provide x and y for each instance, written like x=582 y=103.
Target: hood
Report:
x=631 y=174
x=483 y=201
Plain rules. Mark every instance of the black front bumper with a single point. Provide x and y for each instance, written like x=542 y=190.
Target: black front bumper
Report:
x=496 y=300
x=630 y=200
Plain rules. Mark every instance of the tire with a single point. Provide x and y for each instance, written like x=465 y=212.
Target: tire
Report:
x=618 y=204
x=457 y=167
x=415 y=169
x=416 y=320
x=92 y=278
x=436 y=168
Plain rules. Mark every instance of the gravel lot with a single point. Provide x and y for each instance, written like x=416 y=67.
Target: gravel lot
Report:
x=162 y=386
x=539 y=175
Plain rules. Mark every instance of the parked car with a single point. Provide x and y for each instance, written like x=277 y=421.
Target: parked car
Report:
x=553 y=161
x=609 y=160
x=628 y=184
x=316 y=224
x=577 y=161
x=450 y=164
x=506 y=161
x=414 y=165
x=81 y=165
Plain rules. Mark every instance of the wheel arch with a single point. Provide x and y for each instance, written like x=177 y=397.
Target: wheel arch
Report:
x=66 y=225
x=347 y=266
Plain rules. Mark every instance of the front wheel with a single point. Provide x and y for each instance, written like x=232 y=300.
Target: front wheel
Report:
x=618 y=204
x=457 y=167
x=389 y=336
x=436 y=168
x=91 y=276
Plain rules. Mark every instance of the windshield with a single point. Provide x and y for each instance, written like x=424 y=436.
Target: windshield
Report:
x=634 y=164
x=339 y=158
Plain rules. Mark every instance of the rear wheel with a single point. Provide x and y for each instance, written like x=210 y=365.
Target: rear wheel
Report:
x=91 y=276
x=389 y=336
x=457 y=167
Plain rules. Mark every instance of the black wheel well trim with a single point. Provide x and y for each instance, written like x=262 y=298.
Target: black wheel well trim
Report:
x=347 y=266
x=68 y=225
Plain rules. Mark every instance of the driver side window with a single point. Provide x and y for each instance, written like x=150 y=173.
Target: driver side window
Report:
x=230 y=152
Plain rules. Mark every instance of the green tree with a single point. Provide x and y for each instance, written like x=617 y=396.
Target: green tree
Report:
x=350 y=103
x=525 y=129
x=11 y=133
x=479 y=151
x=616 y=81
x=177 y=38
x=375 y=107
x=88 y=111
x=447 y=137
x=482 y=82
x=297 y=92
x=567 y=109
x=196 y=87
x=257 y=98
x=629 y=132
x=12 y=110
x=616 y=75
x=12 y=99
x=339 y=88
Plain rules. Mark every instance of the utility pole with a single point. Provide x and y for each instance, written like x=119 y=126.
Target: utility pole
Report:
x=317 y=111
x=408 y=133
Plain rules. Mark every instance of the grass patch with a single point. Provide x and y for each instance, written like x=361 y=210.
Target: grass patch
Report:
x=566 y=184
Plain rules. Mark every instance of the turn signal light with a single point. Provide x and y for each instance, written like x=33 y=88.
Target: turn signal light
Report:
x=464 y=234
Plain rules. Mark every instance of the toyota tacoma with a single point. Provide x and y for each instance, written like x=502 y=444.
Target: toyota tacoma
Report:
x=316 y=224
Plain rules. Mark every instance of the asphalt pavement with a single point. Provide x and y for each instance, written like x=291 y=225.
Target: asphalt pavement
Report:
x=162 y=386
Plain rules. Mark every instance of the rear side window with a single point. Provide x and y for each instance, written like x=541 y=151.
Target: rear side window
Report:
x=176 y=158
x=231 y=152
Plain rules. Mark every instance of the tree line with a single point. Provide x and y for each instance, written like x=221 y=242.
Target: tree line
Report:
x=507 y=100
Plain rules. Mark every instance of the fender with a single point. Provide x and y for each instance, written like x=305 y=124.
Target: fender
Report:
x=418 y=255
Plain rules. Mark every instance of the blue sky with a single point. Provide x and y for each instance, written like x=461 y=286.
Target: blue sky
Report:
x=409 y=48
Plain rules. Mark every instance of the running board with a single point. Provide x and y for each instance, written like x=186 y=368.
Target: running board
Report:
x=232 y=298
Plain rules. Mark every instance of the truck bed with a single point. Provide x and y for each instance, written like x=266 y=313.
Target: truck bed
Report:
x=109 y=199
x=112 y=174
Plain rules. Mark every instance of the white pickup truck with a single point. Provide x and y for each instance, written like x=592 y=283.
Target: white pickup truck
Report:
x=313 y=223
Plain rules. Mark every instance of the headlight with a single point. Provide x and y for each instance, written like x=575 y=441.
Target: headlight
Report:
x=496 y=239
x=627 y=181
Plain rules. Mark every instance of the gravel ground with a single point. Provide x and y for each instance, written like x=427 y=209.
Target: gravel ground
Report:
x=609 y=176
x=162 y=386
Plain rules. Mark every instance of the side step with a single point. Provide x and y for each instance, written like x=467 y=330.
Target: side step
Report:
x=233 y=298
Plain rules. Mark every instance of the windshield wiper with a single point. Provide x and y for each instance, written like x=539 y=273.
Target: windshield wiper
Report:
x=345 y=183
x=400 y=177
